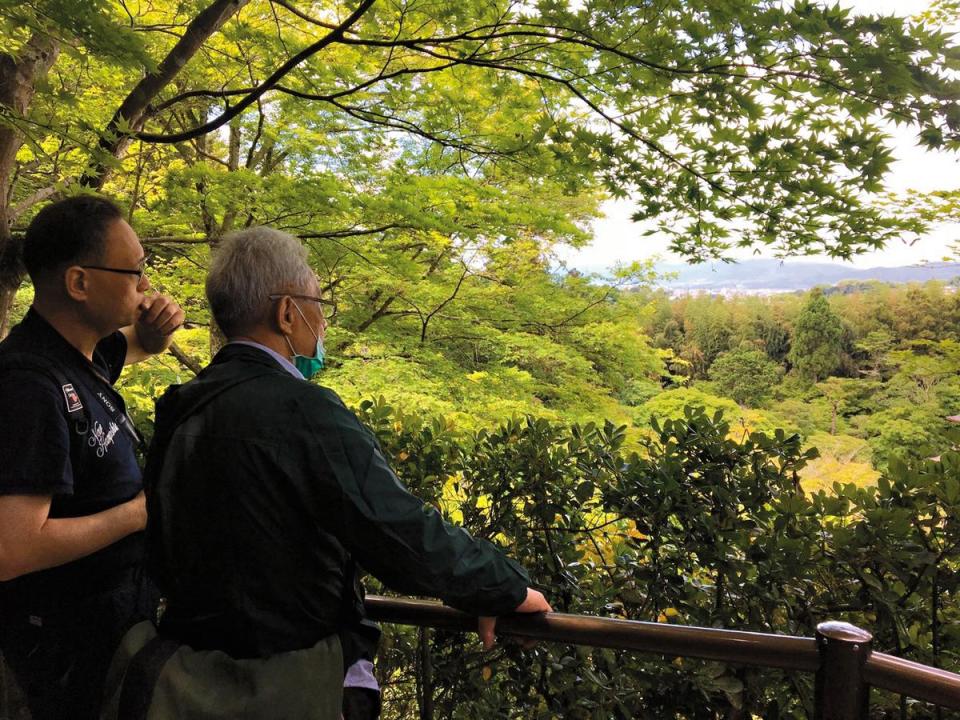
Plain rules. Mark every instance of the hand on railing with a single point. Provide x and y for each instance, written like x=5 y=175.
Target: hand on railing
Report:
x=535 y=602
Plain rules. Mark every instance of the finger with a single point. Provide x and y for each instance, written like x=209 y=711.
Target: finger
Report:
x=167 y=313
x=534 y=602
x=160 y=306
x=153 y=310
x=164 y=317
x=171 y=326
x=179 y=317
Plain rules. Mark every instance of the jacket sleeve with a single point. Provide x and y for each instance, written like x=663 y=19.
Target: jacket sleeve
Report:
x=397 y=537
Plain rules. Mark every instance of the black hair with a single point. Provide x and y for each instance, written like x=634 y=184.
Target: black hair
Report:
x=68 y=232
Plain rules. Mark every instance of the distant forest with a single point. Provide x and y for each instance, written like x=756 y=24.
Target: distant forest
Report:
x=864 y=371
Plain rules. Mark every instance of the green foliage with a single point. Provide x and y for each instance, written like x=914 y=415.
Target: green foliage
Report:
x=843 y=460
x=899 y=431
x=745 y=375
x=672 y=404
x=675 y=403
x=845 y=397
x=95 y=27
x=704 y=526
x=708 y=332
x=901 y=369
x=816 y=346
x=472 y=118
x=448 y=151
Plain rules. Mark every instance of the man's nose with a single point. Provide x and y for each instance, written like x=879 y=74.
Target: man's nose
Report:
x=144 y=283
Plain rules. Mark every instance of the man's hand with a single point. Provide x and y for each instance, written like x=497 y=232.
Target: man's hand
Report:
x=159 y=317
x=535 y=602
x=152 y=333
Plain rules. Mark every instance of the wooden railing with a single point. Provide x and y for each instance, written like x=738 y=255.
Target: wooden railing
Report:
x=841 y=654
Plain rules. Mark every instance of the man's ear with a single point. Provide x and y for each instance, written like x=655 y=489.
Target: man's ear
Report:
x=283 y=316
x=75 y=283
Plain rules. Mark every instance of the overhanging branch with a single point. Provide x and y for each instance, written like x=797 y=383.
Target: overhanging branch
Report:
x=329 y=234
x=331 y=37
x=132 y=110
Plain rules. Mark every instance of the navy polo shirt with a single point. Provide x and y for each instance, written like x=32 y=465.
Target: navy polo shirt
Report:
x=86 y=461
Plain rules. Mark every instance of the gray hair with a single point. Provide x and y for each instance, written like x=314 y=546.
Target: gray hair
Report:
x=249 y=265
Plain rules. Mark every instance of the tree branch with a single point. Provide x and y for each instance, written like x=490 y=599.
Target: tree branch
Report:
x=329 y=234
x=39 y=196
x=334 y=36
x=303 y=16
x=132 y=111
x=184 y=359
x=425 y=321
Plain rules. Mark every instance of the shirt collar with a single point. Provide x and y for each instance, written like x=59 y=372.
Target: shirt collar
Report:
x=284 y=363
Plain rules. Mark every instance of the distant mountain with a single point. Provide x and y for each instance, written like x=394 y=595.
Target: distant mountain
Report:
x=766 y=276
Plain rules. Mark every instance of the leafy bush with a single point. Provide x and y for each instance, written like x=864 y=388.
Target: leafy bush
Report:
x=702 y=526
x=745 y=375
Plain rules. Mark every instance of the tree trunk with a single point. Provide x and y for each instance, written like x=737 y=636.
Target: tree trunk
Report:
x=6 y=302
x=233 y=165
x=18 y=76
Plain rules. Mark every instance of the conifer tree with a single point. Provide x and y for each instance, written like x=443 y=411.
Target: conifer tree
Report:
x=816 y=348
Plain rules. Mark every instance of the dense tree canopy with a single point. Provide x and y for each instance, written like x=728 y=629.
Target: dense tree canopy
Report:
x=747 y=375
x=893 y=350
x=410 y=126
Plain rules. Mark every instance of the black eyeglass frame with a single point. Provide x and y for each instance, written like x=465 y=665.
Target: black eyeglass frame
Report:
x=122 y=271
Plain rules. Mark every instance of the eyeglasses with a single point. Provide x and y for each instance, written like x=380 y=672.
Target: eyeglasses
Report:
x=277 y=296
x=123 y=271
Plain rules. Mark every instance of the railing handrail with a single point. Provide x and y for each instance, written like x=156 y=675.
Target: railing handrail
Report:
x=913 y=679
x=736 y=646
x=739 y=647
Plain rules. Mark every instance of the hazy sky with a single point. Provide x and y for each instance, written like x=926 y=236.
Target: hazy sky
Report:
x=619 y=239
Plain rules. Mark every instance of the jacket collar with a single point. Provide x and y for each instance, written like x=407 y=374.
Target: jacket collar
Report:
x=247 y=353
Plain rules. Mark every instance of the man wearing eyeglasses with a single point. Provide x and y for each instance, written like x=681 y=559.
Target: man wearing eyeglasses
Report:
x=71 y=500
x=264 y=490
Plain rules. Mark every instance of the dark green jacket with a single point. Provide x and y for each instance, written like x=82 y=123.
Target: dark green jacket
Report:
x=263 y=489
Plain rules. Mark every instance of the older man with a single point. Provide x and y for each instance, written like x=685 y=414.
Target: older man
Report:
x=264 y=490
x=71 y=500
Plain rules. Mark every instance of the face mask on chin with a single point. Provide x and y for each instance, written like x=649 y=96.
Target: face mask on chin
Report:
x=308 y=366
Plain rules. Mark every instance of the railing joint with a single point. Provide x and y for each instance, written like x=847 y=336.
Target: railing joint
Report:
x=841 y=691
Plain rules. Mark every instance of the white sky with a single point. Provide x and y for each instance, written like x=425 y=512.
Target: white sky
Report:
x=618 y=239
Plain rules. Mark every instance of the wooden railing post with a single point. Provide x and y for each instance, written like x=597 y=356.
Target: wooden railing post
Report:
x=425 y=676
x=841 y=693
